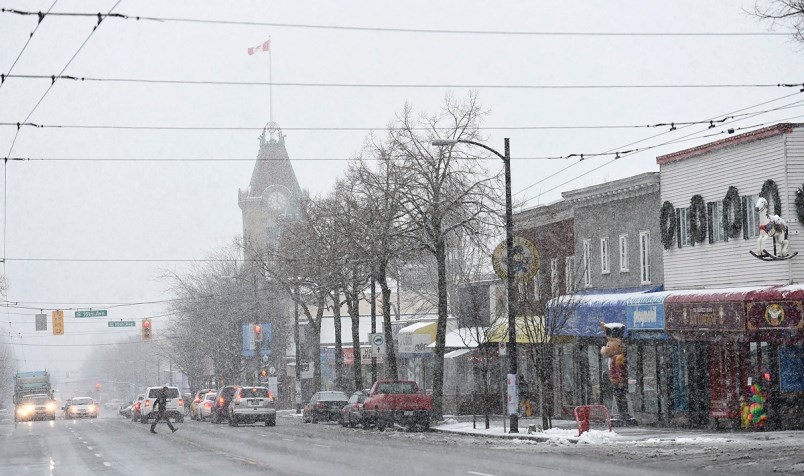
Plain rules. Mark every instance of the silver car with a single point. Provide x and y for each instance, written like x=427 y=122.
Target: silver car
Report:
x=252 y=405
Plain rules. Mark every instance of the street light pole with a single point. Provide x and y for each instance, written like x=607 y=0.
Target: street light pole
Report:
x=509 y=248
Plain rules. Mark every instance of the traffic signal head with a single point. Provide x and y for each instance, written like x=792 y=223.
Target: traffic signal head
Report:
x=146 y=329
x=97 y=386
x=257 y=333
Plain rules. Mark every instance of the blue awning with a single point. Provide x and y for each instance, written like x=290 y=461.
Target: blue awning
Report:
x=580 y=315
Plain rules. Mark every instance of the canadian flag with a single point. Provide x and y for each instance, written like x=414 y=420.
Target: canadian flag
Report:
x=266 y=46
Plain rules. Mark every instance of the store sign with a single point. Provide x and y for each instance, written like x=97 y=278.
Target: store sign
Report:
x=782 y=315
x=414 y=344
x=708 y=316
x=645 y=316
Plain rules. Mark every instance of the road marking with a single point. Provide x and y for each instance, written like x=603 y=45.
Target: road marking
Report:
x=321 y=446
x=106 y=464
x=89 y=447
x=288 y=439
x=98 y=455
x=479 y=474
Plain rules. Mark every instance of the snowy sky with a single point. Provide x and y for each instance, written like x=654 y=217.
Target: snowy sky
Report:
x=136 y=210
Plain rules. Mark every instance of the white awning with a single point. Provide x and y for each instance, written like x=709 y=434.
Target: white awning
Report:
x=456 y=353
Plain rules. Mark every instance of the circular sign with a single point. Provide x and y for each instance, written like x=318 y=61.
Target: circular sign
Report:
x=525 y=260
x=271 y=370
x=378 y=340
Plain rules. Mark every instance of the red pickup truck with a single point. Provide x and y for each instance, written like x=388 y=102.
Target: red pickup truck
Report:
x=398 y=401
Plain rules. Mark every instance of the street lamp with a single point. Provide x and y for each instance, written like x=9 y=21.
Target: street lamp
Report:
x=509 y=246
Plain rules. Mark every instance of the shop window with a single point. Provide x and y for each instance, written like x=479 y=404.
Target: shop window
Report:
x=683 y=226
x=604 y=255
x=587 y=256
x=623 y=253
x=650 y=390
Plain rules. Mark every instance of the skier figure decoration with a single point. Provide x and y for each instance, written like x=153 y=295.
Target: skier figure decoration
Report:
x=771 y=226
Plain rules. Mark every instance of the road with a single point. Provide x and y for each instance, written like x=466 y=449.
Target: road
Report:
x=113 y=445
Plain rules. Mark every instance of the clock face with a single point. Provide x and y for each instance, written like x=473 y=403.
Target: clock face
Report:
x=277 y=200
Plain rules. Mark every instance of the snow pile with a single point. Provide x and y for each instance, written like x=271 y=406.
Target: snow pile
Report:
x=591 y=437
x=698 y=440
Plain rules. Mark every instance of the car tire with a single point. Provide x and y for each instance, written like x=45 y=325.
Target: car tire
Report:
x=380 y=421
x=313 y=419
x=352 y=423
x=270 y=422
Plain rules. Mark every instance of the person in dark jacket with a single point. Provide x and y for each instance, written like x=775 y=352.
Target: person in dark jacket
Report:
x=161 y=402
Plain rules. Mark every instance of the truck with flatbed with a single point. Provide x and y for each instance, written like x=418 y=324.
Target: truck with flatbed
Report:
x=401 y=402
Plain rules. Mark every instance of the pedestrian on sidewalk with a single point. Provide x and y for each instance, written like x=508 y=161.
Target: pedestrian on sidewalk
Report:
x=161 y=402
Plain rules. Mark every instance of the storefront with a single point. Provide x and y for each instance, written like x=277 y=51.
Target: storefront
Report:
x=415 y=354
x=775 y=325
x=710 y=325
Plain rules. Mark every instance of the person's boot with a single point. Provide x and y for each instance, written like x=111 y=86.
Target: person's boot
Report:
x=153 y=431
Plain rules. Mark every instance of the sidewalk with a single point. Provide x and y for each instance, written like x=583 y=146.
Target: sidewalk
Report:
x=566 y=432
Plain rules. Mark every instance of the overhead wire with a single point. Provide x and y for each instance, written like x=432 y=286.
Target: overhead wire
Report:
x=41 y=16
x=164 y=19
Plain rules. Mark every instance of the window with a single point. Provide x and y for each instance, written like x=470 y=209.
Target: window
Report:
x=537 y=286
x=715 y=211
x=623 y=253
x=554 y=277
x=604 y=255
x=751 y=216
x=644 y=256
x=587 y=252
x=683 y=227
x=569 y=274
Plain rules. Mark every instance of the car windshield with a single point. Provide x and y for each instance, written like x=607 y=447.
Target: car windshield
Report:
x=254 y=392
x=333 y=396
x=81 y=401
x=396 y=387
x=210 y=396
x=171 y=392
x=40 y=400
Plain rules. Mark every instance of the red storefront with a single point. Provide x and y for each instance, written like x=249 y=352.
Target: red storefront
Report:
x=775 y=331
x=712 y=324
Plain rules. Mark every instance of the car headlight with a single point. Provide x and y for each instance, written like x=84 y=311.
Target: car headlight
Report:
x=26 y=409
x=51 y=407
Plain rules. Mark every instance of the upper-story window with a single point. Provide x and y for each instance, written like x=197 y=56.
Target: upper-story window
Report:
x=751 y=216
x=554 y=289
x=623 y=253
x=569 y=274
x=587 y=256
x=537 y=286
x=715 y=212
x=604 y=255
x=644 y=256
x=684 y=235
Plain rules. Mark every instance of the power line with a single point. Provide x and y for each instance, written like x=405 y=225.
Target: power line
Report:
x=123 y=16
x=25 y=46
x=55 y=77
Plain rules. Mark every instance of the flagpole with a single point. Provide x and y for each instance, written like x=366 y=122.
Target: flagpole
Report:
x=270 y=85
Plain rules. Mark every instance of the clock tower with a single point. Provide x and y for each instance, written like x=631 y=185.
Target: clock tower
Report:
x=272 y=193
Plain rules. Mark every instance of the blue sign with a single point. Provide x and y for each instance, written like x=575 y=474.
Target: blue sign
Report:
x=646 y=312
x=251 y=347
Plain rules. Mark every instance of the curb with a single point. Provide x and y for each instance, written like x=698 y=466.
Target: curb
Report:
x=521 y=436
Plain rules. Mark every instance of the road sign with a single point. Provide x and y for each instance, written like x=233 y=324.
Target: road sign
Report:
x=525 y=260
x=58 y=322
x=96 y=313
x=121 y=324
x=377 y=342
x=307 y=369
x=272 y=370
x=503 y=347
x=41 y=322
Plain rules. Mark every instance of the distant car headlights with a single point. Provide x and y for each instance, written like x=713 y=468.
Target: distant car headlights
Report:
x=51 y=407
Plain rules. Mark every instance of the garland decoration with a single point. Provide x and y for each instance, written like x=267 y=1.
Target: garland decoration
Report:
x=732 y=207
x=667 y=223
x=697 y=219
x=770 y=192
x=800 y=204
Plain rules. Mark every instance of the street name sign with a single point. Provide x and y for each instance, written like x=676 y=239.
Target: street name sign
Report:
x=121 y=324
x=96 y=313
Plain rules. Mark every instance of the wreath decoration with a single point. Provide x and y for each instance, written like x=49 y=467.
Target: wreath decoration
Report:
x=667 y=223
x=697 y=219
x=732 y=206
x=800 y=204
x=770 y=192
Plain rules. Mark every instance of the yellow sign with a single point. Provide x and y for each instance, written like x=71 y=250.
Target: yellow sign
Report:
x=525 y=260
x=58 y=322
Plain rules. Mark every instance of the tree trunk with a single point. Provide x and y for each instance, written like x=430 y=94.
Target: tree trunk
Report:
x=353 y=304
x=316 y=347
x=441 y=329
x=390 y=350
x=336 y=317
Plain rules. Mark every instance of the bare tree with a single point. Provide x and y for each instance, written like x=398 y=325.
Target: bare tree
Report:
x=789 y=13
x=445 y=191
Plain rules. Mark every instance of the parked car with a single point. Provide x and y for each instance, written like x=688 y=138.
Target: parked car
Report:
x=352 y=412
x=36 y=407
x=220 y=411
x=174 y=404
x=324 y=406
x=252 y=405
x=205 y=408
x=125 y=409
x=197 y=401
x=136 y=407
x=81 y=407
x=398 y=401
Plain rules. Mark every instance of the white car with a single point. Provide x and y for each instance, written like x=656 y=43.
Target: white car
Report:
x=251 y=405
x=206 y=405
x=174 y=407
x=81 y=407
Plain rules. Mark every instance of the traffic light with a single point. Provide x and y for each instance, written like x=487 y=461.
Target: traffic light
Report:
x=257 y=333
x=97 y=386
x=146 y=329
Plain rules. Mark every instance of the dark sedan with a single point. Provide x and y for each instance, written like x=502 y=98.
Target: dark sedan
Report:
x=324 y=406
x=352 y=413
